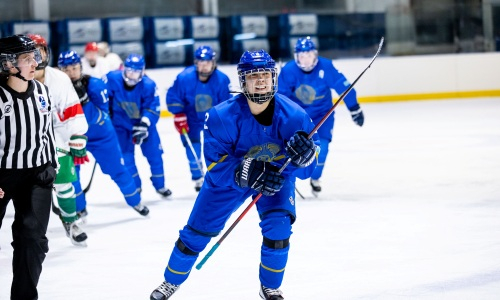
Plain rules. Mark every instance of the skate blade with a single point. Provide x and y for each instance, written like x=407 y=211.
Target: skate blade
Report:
x=82 y=244
x=315 y=194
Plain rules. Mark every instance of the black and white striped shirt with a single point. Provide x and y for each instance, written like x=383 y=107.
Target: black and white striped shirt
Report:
x=26 y=130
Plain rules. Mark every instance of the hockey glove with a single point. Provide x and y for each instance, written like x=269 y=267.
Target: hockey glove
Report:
x=77 y=146
x=140 y=132
x=181 y=124
x=357 y=115
x=300 y=149
x=260 y=176
x=81 y=90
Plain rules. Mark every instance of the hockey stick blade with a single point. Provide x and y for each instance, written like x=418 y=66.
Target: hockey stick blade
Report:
x=287 y=162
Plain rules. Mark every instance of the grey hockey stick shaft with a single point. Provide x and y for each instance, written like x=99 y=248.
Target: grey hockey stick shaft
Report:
x=190 y=144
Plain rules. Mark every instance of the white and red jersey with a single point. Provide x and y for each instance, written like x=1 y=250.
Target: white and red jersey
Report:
x=69 y=118
x=114 y=61
x=100 y=69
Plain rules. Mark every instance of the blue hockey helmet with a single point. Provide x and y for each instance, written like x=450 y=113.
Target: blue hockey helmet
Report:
x=68 y=58
x=257 y=63
x=309 y=59
x=304 y=44
x=205 y=54
x=133 y=70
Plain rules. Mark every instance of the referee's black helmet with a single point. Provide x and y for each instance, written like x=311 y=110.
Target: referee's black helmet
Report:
x=13 y=46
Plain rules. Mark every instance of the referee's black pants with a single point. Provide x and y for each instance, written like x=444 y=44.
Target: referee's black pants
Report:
x=31 y=192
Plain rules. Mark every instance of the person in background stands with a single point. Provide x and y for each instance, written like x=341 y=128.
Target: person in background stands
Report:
x=28 y=160
x=308 y=81
x=196 y=89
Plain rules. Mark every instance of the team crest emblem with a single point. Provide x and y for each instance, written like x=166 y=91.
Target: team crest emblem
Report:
x=266 y=152
x=43 y=104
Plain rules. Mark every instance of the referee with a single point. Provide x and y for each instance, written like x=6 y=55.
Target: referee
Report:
x=27 y=160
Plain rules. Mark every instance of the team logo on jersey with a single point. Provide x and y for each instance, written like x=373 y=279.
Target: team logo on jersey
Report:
x=203 y=102
x=6 y=111
x=292 y=202
x=266 y=152
x=306 y=94
x=321 y=74
x=43 y=104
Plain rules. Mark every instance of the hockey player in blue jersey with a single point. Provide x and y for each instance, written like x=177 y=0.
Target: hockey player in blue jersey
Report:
x=102 y=140
x=308 y=81
x=135 y=109
x=196 y=89
x=246 y=140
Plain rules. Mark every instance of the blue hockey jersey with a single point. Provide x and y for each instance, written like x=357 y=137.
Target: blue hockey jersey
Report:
x=98 y=111
x=194 y=98
x=312 y=90
x=232 y=133
x=128 y=105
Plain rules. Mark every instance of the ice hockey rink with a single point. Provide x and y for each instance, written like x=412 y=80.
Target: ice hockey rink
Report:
x=410 y=210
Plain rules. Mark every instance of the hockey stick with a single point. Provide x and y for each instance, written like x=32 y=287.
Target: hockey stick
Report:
x=200 y=165
x=301 y=196
x=55 y=209
x=85 y=190
x=287 y=162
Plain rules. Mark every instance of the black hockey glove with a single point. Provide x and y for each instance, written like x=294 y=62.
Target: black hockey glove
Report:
x=300 y=149
x=357 y=115
x=260 y=176
x=140 y=133
x=81 y=90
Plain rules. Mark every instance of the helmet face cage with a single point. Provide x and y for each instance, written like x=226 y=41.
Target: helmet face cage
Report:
x=306 y=45
x=133 y=70
x=254 y=62
x=255 y=97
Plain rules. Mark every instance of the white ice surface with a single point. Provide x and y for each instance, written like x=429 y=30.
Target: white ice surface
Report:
x=410 y=210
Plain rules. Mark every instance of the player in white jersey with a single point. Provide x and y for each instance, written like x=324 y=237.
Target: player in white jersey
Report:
x=114 y=60
x=92 y=63
x=70 y=126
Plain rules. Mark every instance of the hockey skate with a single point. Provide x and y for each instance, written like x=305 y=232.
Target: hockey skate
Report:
x=316 y=187
x=270 y=294
x=82 y=216
x=164 y=291
x=164 y=192
x=198 y=183
x=141 y=209
x=75 y=234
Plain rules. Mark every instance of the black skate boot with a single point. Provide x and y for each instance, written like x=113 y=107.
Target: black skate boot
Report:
x=270 y=294
x=75 y=234
x=164 y=192
x=142 y=209
x=164 y=291
x=198 y=183
x=316 y=187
